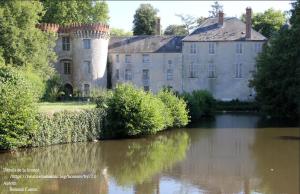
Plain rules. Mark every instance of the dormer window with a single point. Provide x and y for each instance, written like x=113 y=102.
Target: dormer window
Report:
x=66 y=43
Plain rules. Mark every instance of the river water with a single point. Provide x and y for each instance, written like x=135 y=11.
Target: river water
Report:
x=230 y=154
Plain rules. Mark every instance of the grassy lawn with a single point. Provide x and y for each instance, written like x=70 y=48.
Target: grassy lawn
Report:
x=51 y=107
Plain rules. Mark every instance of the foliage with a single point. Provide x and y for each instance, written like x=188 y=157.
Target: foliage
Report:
x=188 y=21
x=175 y=30
x=69 y=126
x=103 y=98
x=268 y=22
x=54 y=88
x=119 y=32
x=75 y=11
x=23 y=44
x=135 y=112
x=236 y=105
x=216 y=8
x=144 y=20
x=200 y=103
x=277 y=80
x=177 y=108
x=18 y=110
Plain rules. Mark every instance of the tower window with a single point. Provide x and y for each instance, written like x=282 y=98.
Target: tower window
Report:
x=87 y=65
x=86 y=43
x=66 y=43
x=67 y=67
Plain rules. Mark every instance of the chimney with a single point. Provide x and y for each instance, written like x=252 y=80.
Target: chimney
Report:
x=157 y=26
x=248 y=22
x=221 y=18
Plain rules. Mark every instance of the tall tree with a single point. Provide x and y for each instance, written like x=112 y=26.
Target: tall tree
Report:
x=176 y=30
x=215 y=9
x=21 y=43
x=268 y=22
x=145 y=20
x=75 y=11
x=188 y=21
x=277 y=81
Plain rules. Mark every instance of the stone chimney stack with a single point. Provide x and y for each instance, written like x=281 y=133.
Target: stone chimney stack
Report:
x=248 y=22
x=157 y=26
x=221 y=18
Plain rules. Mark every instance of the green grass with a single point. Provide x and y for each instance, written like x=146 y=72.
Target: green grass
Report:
x=51 y=107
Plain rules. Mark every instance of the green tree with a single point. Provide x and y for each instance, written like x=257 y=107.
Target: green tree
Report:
x=215 y=9
x=18 y=109
x=119 y=32
x=175 y=30
x=268 y=22
x=277 y=80
x=23 y=44
x=75 y=11
x=145 y=20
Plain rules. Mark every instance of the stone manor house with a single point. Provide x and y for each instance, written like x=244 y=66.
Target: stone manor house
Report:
x=219 y=56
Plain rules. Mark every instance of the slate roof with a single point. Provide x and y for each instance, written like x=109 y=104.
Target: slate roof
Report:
x=146 y=43
x=233 y=29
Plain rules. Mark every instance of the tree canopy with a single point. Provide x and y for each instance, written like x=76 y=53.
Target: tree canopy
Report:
x=215 y=9
x=176 y=30
x=119 y=32
x=21 y=43
x=145 y=20
x=75 y=11
x=277 y=81
x=268 y=22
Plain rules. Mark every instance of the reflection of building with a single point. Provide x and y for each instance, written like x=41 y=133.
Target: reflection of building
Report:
x=219 y=56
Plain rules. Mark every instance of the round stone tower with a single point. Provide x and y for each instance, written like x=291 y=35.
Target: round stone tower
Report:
x=89 y=53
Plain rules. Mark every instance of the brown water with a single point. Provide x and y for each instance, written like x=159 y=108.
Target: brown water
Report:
x=233 y=153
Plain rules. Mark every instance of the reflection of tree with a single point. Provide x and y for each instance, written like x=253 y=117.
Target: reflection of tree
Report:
x=138 y=161
x=277 y=160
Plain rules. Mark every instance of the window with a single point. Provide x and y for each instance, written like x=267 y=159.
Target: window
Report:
x=117 y=74
x=211 y=48
x=192 y=71
x=86 y=89
x=146 y=88
x=193 y=48
x=66 y=43
x=86 y=43
x=87 y=65
x=257 y=47
x=146 y=58
x=127 y=58
x=145 y=74
x=239 y=48
x=170 y=74
x=211 y=71
x=67 y=67
x=169 y=62
x=128 y=74
x=238 y=70
x=117 y=58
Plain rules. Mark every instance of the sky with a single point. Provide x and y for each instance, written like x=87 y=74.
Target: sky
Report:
x=122 y=12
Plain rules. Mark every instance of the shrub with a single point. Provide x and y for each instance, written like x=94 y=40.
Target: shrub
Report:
x=177 y=108
x=200 y=103
x=69 y=126
x=54 y=88
x=236 y=105
x=135 y=112
x=17 y=109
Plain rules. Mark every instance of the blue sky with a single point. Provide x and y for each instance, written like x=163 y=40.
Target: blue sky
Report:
x=121 y=12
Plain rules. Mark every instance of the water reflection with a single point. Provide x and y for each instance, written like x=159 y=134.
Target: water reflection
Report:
x=233 y=153
x=122 y=162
